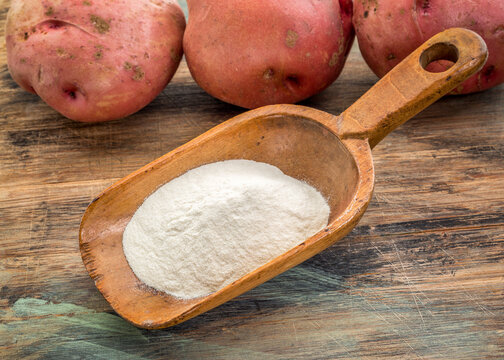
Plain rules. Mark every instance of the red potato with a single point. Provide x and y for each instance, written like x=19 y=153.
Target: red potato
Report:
x=388 y=31
x=94 y=61
x=254 y=53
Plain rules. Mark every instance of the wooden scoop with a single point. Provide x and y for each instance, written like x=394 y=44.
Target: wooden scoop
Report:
x=332 y=153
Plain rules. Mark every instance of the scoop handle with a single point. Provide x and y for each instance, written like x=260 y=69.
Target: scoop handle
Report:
x=408 y=88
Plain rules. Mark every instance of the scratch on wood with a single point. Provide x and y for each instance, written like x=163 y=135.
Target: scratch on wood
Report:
x=410 y=285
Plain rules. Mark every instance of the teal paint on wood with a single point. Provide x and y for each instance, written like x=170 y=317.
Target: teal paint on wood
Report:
x=408 y=322
x=85 y=350
x=27 y=307
x=41 y=326
x=68 y=315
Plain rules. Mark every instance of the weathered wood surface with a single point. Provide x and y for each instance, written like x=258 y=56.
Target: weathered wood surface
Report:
x=422 y=276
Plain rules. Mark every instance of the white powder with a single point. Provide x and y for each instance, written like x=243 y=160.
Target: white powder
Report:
x=216 y=223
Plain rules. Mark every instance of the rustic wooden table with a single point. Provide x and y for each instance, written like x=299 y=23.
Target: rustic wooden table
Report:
x=421 y=276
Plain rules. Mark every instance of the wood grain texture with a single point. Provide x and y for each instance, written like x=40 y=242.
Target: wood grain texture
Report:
x=422 y=276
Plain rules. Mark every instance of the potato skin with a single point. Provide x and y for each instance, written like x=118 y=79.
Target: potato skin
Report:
x=388 y=31
x=255 y=53
x=94 y=61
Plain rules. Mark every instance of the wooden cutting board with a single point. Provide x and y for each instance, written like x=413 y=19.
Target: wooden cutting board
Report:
x=421 y=276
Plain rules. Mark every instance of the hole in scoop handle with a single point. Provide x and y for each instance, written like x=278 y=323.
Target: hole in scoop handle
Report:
x=408 y=88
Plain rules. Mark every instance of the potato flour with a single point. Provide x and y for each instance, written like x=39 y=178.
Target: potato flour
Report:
x=212 y=225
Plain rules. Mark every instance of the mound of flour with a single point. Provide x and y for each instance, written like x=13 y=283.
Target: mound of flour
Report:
x=216 y=223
